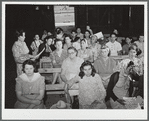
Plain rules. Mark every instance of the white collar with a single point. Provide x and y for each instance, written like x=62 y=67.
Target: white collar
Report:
x=25 y=78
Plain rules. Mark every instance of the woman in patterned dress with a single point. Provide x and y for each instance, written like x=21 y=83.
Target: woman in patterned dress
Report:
x=20 y=51
x=133 y=52
x=121 y=88
x=91 y=89
x=30 y=88
x=70 y=70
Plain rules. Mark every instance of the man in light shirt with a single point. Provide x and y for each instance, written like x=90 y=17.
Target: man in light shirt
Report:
x=114 y=46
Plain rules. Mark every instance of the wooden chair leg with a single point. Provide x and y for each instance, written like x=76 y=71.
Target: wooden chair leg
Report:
x=67 y=95
x=60 y=80
x=55 y=75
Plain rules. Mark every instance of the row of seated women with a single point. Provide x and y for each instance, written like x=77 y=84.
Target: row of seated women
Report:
x=89 y=81
x=56 y=49
x=116 y=46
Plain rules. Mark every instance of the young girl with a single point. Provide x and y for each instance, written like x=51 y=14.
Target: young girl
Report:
x=91 y=89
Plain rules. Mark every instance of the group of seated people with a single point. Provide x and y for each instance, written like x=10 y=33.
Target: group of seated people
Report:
x=88 y=70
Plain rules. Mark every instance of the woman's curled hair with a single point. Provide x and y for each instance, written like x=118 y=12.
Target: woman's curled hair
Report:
x=135 y=47
x=19 y=32
x=29 y=62
x=86 y=63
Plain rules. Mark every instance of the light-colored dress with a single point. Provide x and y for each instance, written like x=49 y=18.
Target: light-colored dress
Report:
x=91 y=89
x=30 y=89
x=96 y=50
x=122 y=86
x=105 y=69
x=85 y=54
x=71 y=69
x=120 y=90
x=88 y=42
x=20 y=52
x=137 y=63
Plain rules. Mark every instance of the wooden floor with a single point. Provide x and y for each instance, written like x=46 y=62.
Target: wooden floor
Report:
x=51 y=99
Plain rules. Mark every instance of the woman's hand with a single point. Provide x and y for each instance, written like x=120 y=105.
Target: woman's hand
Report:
x=95 y=102
x=36 y=102
x=121 y=101
x=70 y=83
x=73 y=81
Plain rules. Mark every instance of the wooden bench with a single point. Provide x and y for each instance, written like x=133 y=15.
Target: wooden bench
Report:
x=52 y=88
x=119 y=58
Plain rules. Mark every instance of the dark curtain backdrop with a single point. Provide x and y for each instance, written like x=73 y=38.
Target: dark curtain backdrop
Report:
x=107 y=17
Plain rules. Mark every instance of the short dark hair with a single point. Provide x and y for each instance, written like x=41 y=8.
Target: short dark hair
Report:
x=73 y=31
x=86 y=63
x=73 y=48
x=67 y=35
x=138 y=51
x=76 y=39
x=78 y=28
x=82 y=40
x=48 y=37
x=113 y=34
x=130 y=37
x=57 y=40
x=88 y=31
x=105 y=47
x=29 y=62
x=58 y=30
x=35 y=35
x=19 y=32
x=130 y=64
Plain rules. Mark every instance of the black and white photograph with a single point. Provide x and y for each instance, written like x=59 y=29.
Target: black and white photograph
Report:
x=74 y=60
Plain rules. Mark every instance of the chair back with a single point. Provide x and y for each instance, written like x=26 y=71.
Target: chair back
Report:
x=45 y=62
